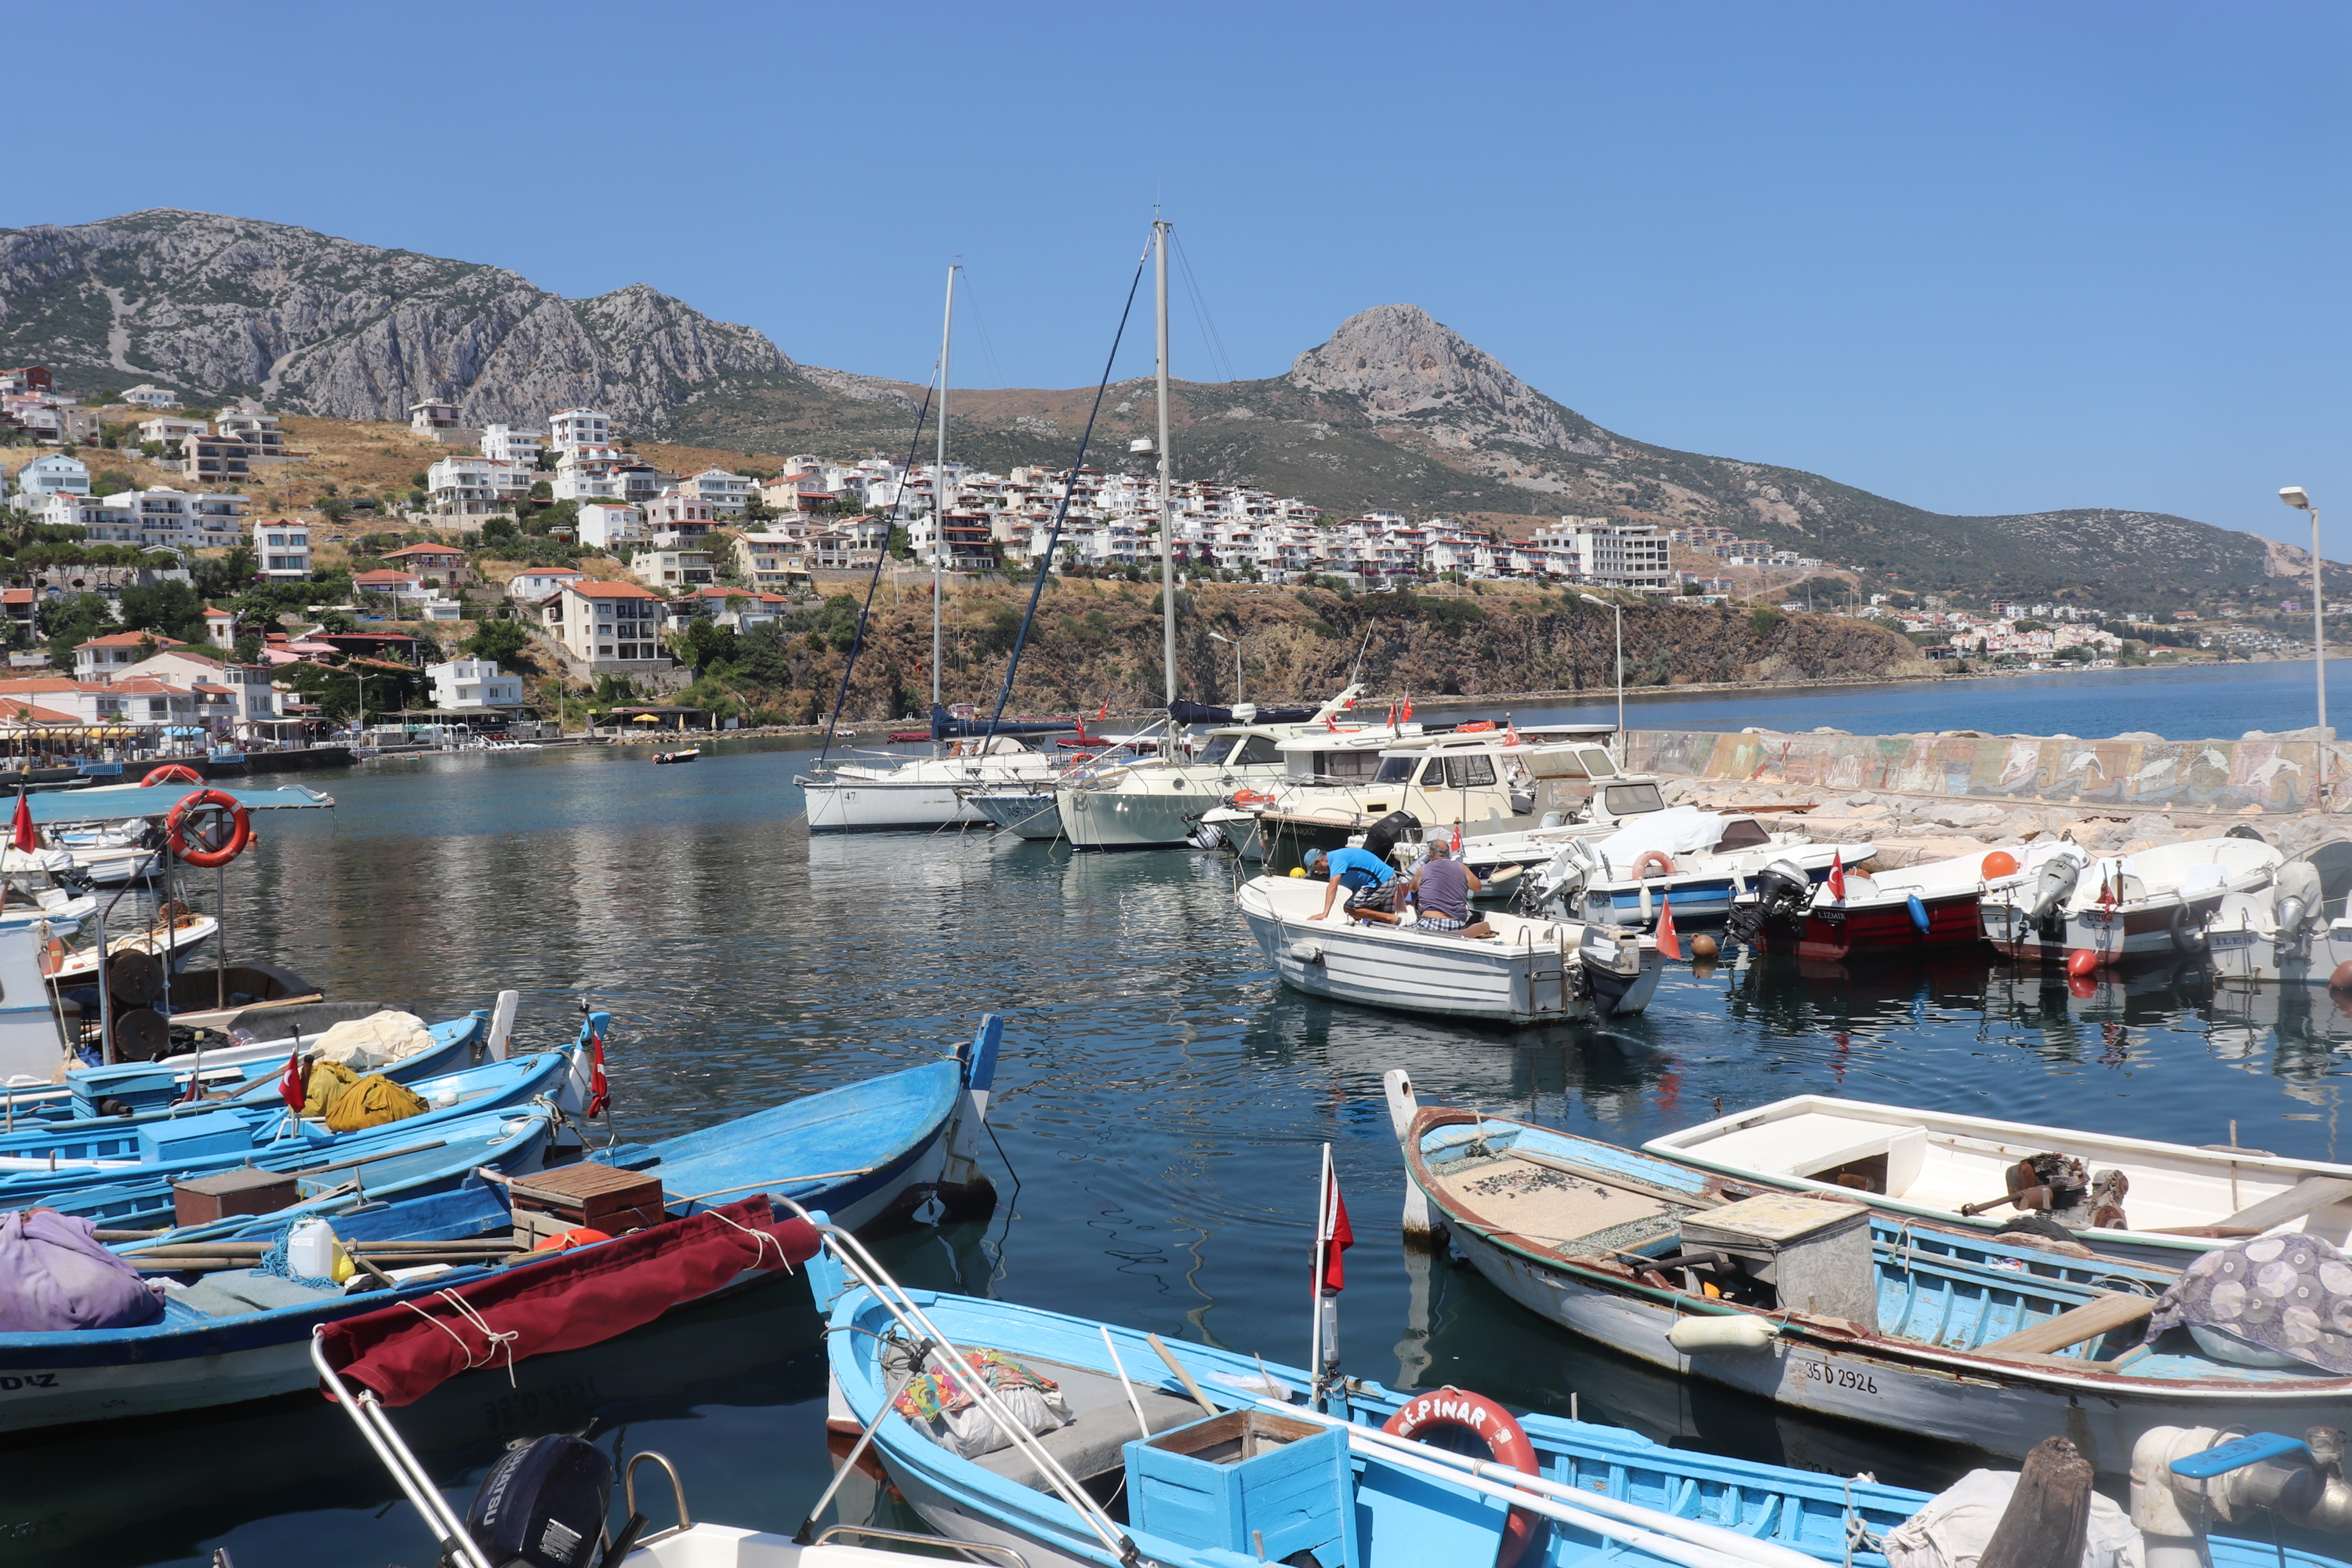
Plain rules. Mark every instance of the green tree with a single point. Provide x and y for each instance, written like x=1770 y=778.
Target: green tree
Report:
x=69 y=623
x=334 y=509
x=220 y=577
x=500 y=530
x=112 y=482
x=498 y=641
x=248 y=648
x=172 y=609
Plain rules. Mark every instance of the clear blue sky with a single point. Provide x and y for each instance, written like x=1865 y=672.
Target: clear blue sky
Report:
x=1984 y=258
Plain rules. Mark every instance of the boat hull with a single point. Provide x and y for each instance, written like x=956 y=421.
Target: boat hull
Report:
x=1858 y=933
x=869 y=805
x=1031 y=816
x=1114 y=819
x=1974 y=1404
x=2166 y=932
x=1543 y=980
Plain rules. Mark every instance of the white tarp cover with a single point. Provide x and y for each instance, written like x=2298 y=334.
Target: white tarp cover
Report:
x=1953 y=1530
x=365 y=1045
x=1677 y=830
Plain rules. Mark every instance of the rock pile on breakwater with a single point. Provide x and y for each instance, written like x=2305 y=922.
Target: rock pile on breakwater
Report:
x=1905 y=830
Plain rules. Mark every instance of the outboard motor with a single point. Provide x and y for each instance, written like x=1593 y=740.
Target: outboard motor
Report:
x=2060 y=874
x=543 y=1504
x=1382 y=836
x=2294 y=904
x=1781 y=888
x=73 y=879
x=1208 y=836
x=1553 y=888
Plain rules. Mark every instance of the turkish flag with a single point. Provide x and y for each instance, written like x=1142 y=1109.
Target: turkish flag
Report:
x=600 y=1093
x=1837 y=875
x=21 y=835
x=1336 y=1235
x=1668 y=942
x=290 y=1087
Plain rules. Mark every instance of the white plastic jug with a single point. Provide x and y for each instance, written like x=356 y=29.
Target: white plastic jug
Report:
x=310 y=1249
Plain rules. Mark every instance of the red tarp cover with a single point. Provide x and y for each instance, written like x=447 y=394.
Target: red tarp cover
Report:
x=580 y=1298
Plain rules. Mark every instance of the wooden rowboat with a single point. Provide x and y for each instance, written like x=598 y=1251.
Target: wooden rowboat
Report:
x=1897 y=1324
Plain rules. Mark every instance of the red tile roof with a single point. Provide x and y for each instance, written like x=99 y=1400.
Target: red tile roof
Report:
x=129 y=639
x=22 y=713
x=438 y=552
x=600 y=588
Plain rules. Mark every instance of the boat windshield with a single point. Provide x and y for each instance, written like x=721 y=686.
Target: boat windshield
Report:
x=1254 y=750
x=1398 y=769
x=1633 y=799
x=1596 y=763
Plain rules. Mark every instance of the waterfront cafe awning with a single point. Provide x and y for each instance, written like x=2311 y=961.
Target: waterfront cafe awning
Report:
x=120 y=803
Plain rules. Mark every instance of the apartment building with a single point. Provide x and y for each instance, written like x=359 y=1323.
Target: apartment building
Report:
x=608 y=525
x=182 y=519
x=476 y=487
x=770 y=561
x=474 y=683
x=1611 y=553
x=282 y=550
x=264 y=442
x=727 y=494
x=217 y=459
x=572 y=428
x=512 y=444
x=605 y=624
x=53 y=474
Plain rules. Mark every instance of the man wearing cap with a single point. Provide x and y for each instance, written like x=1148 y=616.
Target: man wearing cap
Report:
x=1441 y=890
x=1370 y=881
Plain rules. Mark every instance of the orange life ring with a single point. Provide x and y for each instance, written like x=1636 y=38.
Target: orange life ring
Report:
x=1476 y=1416
x=172 y=773
x=1249 y=797
x=1474 y=729
x=1665 y=863
x=175 y=829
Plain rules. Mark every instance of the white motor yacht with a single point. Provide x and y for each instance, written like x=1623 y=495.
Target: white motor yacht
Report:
x=921 y=792
x=1157 y=803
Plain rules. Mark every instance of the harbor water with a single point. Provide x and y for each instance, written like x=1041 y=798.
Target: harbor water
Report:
x=1161 y=1101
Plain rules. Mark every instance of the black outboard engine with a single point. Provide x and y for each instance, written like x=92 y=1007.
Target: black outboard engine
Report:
x=1208 y=836
x=1781 y=888
x=1384 y=835
x=542 y=1506
x=73 y=879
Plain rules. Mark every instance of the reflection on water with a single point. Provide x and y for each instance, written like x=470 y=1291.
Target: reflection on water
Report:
x=1160 y=1105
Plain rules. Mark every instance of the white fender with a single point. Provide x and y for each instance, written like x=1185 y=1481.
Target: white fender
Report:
x=1699 y=1336
x=502 y=1023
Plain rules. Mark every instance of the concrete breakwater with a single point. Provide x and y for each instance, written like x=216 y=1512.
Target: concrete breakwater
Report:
x=2258 y=773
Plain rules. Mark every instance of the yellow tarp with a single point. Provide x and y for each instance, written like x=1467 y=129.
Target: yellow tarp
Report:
x=350 y=1102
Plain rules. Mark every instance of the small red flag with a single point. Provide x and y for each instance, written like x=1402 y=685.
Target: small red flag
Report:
x=1105 y=712
x=1457 y=839
x=1337 y=1236
x=22 y=837
x=600 y=1093
x=290 y=1087
x=1668 y=942
x=1408 y=708
x=1837 y=875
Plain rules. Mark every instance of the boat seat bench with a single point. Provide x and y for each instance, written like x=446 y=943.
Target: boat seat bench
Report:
x=2106 y=1311
x=1104 y=1424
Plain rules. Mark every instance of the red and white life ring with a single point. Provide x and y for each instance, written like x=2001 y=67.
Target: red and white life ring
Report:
x=1665 y=863
x=1450 y=1409
x=175 y=829
x=172 y=773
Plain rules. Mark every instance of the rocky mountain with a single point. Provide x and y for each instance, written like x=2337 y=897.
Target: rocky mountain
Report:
x=217 y=307
x=1395 y=411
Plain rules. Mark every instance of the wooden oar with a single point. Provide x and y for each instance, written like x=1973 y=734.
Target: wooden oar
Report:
x=1182 y=1375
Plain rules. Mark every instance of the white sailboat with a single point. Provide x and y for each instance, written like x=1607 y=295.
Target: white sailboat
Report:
x=923 y=793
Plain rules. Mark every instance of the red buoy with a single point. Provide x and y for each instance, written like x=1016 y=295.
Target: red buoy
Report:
x=2081 y=988
x=2342 y=979
x=2081 y=962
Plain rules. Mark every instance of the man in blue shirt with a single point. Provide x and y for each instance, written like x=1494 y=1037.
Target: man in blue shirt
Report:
x=1370 y=881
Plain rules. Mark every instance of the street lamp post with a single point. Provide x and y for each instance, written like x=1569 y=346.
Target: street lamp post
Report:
x=2293 y=496
x=1619 y=610
x=1229 y=642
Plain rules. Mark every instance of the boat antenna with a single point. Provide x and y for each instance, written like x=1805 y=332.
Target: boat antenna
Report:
x=1160 y=229
x=1045 y=564
x=1356 y=676
x=858 y=636
x=940 y=490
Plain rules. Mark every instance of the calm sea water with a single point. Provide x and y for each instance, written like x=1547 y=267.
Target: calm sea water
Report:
x=1161 y=1104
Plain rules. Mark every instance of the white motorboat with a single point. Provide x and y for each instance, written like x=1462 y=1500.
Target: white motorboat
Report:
x=1701 y=860
x=2172 y=1201
x=1157 y=803
x=2125 y=909
x=44 y=889
x=921 y=792
x=1882 y=912
x=109 y=854
x=1529 y=971
x=2296 y=932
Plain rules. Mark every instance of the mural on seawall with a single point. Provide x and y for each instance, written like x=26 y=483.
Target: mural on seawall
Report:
x=2267 y=775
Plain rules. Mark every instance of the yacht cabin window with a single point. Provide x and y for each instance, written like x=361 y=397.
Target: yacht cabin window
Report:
x=1597 y=763
x=1398 y=770
x=1633 y=799
x=1470 y=770
x=1257 y=751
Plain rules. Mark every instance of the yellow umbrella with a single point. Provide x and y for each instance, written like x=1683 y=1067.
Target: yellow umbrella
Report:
x=648 y=718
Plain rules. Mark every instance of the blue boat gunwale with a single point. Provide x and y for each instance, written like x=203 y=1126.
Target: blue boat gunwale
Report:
x=1576 y=1453
x=1432 y=1125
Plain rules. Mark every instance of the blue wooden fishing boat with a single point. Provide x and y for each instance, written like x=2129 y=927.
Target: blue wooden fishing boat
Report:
x=1193 y=1457
x=236 y=1335
x=869 y=1151
x=1989 y=1341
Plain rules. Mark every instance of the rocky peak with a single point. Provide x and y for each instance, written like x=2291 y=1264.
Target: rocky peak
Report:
x=1400 y=362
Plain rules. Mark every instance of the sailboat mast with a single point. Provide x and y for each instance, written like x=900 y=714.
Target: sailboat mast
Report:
x=1167 y=512
x=939 y=488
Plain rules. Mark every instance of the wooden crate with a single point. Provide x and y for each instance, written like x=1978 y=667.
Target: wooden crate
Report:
x=598 y=1197
x=200 y=1200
